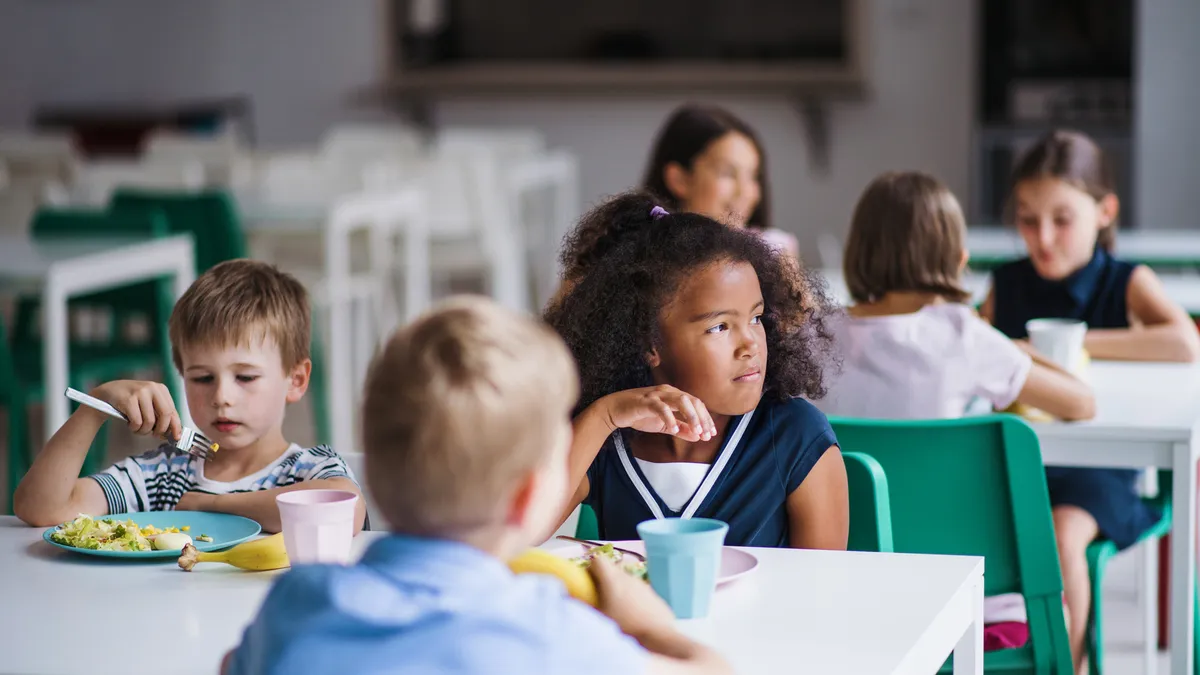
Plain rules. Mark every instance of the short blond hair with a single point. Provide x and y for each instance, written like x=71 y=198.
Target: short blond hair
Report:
x=238 y=302
x=458 y=407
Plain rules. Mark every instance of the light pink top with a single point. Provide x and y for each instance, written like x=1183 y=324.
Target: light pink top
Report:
x=930 y=364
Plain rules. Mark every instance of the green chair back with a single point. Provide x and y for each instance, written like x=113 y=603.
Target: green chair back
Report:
x=976 y=486
x=13 y=400
x=870 y=505
x=210 y=217
x=587 y=527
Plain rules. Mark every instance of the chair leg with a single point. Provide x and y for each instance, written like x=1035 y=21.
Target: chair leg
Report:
x=19 y=457
x=1149 y=601
x=317 y=392
x=1094 y=641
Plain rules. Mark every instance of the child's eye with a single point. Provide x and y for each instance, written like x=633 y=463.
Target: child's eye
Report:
x=1028 y=222
x=247 y=378
x=756 y=319
x=202 y=379
x=1062 y=222
x=719 y=328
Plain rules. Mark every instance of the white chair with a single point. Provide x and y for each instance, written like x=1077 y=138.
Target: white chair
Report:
x=94 y=182
x=217 y=154
x=358 y=144
x=360 y=306
x=471 y=221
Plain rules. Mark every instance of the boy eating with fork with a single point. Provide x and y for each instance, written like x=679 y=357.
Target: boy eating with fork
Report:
x=466 y=429
x=240 y=338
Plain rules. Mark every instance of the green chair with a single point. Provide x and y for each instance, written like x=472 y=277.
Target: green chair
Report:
x=212 y=218
x=14 y=399
x=113 y=356
x=209 y=216
x=1101 y=551
x=588 y=527
x=976 y=486
x=870 y=505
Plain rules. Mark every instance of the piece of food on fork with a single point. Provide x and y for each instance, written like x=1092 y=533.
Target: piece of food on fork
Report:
x=191 y=442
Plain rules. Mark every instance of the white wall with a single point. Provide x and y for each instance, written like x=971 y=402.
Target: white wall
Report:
x=300 y=58
x=1166 y=126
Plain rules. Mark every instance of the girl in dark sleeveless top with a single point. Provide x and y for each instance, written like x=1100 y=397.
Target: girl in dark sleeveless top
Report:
x=1065 y=210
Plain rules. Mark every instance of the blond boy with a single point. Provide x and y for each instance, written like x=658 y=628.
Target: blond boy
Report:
x=466 y=430
x=240 y=339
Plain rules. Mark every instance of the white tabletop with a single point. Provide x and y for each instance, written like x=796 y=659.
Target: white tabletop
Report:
x=1149 y=246
x=23 y=258
x=801 y=611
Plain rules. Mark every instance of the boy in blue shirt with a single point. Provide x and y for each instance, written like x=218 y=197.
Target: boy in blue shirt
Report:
x=466 y=429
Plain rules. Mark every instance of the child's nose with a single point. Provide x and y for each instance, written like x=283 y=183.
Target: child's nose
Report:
x=224 y=393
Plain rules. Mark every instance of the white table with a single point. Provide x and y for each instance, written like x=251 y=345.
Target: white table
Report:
x=67 y=268
x=801 y=612
x=1161 y=247
x=1183 y=288
x=1147 y=415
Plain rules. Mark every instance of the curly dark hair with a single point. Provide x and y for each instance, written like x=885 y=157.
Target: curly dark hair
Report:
x=623 y=266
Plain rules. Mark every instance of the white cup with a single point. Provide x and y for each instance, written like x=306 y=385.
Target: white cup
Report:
x=318 y=525
x=1060 y=340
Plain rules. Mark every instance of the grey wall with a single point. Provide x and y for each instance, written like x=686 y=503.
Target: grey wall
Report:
x=300 y=58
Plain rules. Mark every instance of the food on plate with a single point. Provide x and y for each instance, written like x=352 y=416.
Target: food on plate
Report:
x=632 y=566
x=170 y=541
x=204 y=537
x=108 y=534
x=257 y=555
x=577 y=580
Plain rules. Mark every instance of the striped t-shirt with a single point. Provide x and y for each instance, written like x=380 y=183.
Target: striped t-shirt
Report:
x=155 y=481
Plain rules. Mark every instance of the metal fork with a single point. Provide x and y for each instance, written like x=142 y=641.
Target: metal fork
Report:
x=595 y=544
x=191 y=442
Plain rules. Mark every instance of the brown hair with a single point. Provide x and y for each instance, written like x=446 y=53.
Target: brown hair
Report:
x=458 y=407
x=239 y=301
x=907 y=234
x=1076 y=159
x=689 y=130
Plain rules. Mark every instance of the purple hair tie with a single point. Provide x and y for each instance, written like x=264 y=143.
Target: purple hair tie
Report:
x=658 y=212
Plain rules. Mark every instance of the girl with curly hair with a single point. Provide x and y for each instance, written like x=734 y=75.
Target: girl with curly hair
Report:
x=694 y=342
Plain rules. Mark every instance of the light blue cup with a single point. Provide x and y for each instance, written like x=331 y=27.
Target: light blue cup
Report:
x=683 y=557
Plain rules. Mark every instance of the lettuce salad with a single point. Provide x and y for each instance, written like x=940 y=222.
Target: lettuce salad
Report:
x=633 y=567
x=106 y=534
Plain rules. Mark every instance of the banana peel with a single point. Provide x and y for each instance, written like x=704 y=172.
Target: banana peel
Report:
x=259 y=555
x=577 y=579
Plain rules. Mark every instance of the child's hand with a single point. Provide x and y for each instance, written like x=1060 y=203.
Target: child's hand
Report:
x=148 y=406
x=631 y=603
x=660 y=410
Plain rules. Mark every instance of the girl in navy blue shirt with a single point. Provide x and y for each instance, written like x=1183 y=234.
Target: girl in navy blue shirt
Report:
x=1066 y=211
x=694 y=341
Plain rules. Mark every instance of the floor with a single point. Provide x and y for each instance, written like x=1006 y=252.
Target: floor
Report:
x=1123 y=615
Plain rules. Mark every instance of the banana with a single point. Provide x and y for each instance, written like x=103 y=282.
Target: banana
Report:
x=258 y=555
x=577 y=580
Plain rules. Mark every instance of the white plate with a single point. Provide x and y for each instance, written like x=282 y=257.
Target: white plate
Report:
x=735 y=563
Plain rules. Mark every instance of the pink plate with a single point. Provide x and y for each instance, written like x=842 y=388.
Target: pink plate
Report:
x=735 y=563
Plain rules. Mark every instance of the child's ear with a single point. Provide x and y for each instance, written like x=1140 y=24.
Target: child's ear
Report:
x=677 y=180
x=653 y=359
x=1110 y=208
x=298 y=381
x=521 y=505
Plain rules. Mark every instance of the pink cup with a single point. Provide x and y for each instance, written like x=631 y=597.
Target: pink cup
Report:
x=318 y=525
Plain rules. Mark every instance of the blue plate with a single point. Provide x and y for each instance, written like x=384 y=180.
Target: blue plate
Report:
x=225 y=529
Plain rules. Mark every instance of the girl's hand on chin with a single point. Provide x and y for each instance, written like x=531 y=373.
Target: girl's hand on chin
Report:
x=661 y=409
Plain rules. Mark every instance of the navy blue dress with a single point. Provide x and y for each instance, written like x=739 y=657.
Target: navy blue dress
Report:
x=1095 y=295
x=765 y=455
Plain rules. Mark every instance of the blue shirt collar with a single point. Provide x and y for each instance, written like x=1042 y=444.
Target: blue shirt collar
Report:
x=1081 y=284
x=438 y=564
